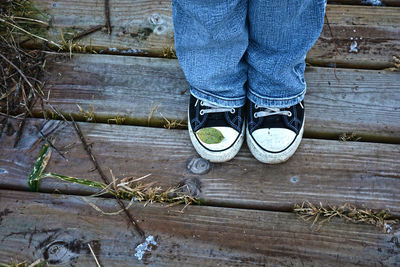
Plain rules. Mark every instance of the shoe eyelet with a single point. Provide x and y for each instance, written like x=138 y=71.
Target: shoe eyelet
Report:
x=255 y=115
x=290 y=114
x=201 y=112
x=201 y=103
x=256 y=106
x=233 y=111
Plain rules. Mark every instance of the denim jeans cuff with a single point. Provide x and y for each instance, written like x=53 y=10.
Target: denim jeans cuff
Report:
x=275 y=102
x=218 y=100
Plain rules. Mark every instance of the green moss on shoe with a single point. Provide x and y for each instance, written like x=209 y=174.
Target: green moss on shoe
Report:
x=210 y=135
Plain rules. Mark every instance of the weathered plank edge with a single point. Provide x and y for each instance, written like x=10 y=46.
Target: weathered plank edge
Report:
x=317 y=60
x=377 y=131
x=363 y=2
x=201 y=235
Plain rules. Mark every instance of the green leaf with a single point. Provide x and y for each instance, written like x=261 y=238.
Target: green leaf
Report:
x=38 y=168
x=210 y=135
x=74 y=180
x=41 y=163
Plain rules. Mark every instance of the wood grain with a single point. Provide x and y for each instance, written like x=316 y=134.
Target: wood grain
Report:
x=366 y=102
x=331 y=172
x=363 y=2
x=201 y=236
x=145 y=27
x=375 y=31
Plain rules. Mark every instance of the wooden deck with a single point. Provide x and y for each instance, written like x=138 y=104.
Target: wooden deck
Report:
x=246 y=217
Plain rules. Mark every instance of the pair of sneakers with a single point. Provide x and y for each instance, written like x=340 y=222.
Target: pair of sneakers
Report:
x=272 y=134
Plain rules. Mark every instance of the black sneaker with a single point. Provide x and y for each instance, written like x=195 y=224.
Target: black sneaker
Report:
x=216 y=132
x=274 y=134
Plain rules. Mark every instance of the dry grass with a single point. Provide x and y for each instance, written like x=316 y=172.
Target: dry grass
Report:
x=320 y=215
x=21 y=21
x=128 y=188
x=173 y=124
x=37 y=263
x=169 y=52
x=72 y=45
x=153 y=109
x=20 y=69
x=131 y=187
x=396 y=62
x=117 y=120
x=349 y=137
x=87 y=115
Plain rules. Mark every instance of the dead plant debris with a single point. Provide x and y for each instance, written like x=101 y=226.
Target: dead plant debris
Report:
x=37 y=263
x=349 y=137
x=128 y=188
x=117 y=120
x=173 y=124
x=87 y=115
x=169 y=52
x=396 y=62
x=322 y=214
x=20 y=69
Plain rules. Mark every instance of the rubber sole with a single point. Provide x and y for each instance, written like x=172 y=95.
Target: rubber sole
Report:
x=273 y=158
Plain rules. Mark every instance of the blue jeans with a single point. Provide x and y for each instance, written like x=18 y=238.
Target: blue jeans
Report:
x=231 y=50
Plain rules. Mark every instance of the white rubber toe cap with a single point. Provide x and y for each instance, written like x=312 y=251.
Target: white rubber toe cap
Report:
x=274 y=139
x=230 y=136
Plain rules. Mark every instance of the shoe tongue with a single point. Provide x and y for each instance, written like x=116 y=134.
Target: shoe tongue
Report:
x=282 y=121
x=216 y=119
x=273 y=121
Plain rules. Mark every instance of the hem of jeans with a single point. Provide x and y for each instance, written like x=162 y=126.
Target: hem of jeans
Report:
x=272 y=102
x=217 y=100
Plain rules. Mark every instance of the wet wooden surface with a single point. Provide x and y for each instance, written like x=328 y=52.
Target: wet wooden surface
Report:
x=326 y=171
x=201 y=236
x=351 y=101
x=145 y=28
x=247 y=218
x=367 y=2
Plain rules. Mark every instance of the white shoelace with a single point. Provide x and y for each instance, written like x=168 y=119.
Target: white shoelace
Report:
x=212 y=108
x=272 y=111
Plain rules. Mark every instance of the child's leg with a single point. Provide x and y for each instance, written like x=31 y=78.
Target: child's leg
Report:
x=280 y=35
x=211 y=38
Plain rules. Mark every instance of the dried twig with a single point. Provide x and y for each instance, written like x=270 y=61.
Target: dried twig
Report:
x=31 y=34
x=31 y=103
x=18 y=70
x=132 y=221
x=336 y=47
x=22 y=123
x=152 y=110
x=107 y=213
x=51 y=144
x=87 y=32
x=94 y=256
x=107 y=14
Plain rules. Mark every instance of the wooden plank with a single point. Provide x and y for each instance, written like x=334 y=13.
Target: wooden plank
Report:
x=366 y=2
x=201 y=236
x=145 y=28
x=374 y=31
x=366 y=102
x=331 y=172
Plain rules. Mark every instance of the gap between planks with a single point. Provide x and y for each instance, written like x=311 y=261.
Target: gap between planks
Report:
x=145 y=28
x=367 y=2
x=150 y=91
